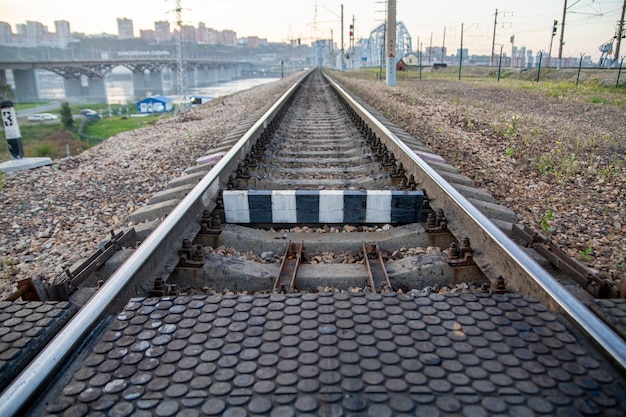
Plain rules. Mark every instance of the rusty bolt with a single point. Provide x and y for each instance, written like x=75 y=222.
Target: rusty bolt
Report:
x=499 y=287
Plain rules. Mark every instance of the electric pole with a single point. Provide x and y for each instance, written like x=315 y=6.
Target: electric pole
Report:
x=180 y=59
x=391 y=43
x=493 y=42
x=430 y=49
x=461 y=53
x=443 y=47
x=342 y=52
x=562 y=35
x=620 y=33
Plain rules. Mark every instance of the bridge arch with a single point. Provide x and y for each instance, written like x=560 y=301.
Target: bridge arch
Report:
x=375 y=48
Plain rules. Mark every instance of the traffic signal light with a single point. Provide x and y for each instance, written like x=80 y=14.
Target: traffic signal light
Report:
x=351 y=30
x=554 y=27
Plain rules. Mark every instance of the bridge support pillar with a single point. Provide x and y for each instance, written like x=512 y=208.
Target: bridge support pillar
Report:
x=89 y=89
x=212 y=75
x=203 y=77
x=3 y=77
x=72 y=87
x=223 y=74
x=26 y=85
x=96 y=90
x=140 y=88
x=147 y=83
x=191 y=78
x=174 y=78
x=156 y=82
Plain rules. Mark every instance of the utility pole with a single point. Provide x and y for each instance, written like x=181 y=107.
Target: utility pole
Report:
x=443 y=47
x=430 y=49
x=331 y=64
x=562 y=35
x=180 y=59
x=619 y=33
x=461 y=53
x=493 y=42
x=391 y=43
x=342 y=52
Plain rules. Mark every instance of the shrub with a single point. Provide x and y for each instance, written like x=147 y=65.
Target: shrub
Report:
x=66 y=115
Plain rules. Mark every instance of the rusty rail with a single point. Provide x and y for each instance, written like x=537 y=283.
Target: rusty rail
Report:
x=286 y=280
x=377 y=277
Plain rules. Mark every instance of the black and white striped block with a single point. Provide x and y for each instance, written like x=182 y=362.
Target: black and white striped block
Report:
x=322 y=206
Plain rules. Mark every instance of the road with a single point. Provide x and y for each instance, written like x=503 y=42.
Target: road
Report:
x=39 y=109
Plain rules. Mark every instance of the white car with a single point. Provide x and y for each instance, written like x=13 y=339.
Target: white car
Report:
x=41 y=116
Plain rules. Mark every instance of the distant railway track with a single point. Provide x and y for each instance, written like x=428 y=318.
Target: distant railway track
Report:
x=298 y=274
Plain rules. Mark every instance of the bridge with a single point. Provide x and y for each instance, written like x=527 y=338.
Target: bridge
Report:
x=85 y=79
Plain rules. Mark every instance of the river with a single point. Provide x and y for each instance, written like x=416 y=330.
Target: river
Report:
x=120 y=91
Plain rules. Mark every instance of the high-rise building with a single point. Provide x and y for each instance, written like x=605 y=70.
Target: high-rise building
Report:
x=189 y=33
x=228 y=37
x=148 y=35
x=5 y=34
x=202 y=35
x=162 y=28
x=63 y=33
x=35 y=32
x=125 y=28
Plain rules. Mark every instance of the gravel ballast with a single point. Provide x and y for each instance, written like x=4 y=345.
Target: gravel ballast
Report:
x=559 y=162
x=54 y=216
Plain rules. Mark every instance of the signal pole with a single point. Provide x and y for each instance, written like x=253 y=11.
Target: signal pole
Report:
x=554 y=26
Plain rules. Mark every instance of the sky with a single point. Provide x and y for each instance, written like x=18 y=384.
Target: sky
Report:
x=589 y=23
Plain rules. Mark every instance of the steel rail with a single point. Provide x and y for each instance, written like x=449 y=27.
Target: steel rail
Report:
x=513 y=262
x=17 y=395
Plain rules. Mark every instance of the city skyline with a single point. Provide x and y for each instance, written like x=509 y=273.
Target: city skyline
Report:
x=589 y=24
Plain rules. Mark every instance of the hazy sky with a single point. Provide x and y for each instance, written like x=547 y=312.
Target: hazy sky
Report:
x=589 y=23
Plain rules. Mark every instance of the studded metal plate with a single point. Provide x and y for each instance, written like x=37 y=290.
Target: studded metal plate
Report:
x=25 y=327
x=340 y=354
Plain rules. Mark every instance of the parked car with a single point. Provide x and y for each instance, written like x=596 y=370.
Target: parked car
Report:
x=41 y=117
x=84 y=112
x=92 y=115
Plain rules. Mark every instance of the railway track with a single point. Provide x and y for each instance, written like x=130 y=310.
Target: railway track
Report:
x=299 y=271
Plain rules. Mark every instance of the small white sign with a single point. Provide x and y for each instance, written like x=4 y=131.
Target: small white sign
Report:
x=9 y=121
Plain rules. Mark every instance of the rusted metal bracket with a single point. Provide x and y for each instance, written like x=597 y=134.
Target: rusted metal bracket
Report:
x=191 y=256
x=286 y=280
x=377 y=277
x=26 y=289
x=599 y=287
x=60 y=291
x=459 y=255
x=95 y=261
x=436 y=222
x=161 y=289
x=212 y=223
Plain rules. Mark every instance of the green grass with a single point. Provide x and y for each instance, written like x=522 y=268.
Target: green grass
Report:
x=595 y=86
x=111 y=126
x=45 y=139
x=25 y=106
